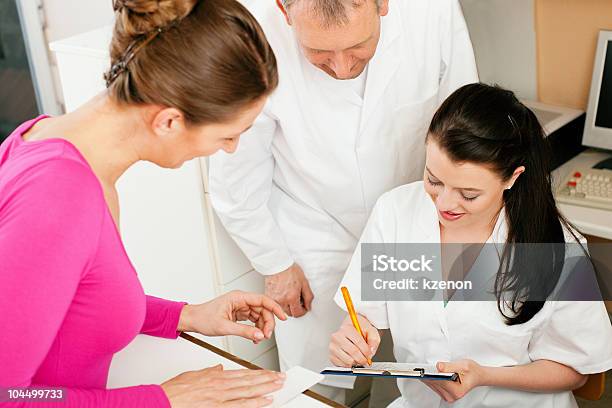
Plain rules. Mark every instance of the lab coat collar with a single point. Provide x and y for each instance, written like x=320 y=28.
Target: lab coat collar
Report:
x=391 y=28
x=500 y=231
x=427 y=217
x=384 y=64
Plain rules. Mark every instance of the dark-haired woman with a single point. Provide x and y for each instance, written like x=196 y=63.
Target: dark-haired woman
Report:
x=187 y=78
x=486 y=180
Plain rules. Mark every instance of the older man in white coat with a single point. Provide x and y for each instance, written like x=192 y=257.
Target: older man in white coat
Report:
x=359 y=83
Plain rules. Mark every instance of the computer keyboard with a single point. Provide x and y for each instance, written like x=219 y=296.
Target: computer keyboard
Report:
x=587 y=188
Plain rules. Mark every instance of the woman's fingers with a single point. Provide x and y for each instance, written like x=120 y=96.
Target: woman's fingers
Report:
x=259 y=323
x=248 y=403
x=254 y=300
x=345 y=340
x=263 y=320
x=371 y=333
x=339 y=357
x=247 y=384
x=252 y=390
x=245 y=372
x=204 y=371
x=358 y=348
x=336 y=361
x=348 y=347
x=268 y=322
x=438 y=389
x=433 y=388
x=258 y=309
x=254 y=377
x=242 y=330
x=214 y=387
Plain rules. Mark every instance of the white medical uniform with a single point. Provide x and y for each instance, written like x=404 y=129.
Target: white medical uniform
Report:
x=577 y=334
x=304 y=179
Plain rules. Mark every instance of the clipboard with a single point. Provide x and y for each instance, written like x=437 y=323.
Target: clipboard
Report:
x=394 y=370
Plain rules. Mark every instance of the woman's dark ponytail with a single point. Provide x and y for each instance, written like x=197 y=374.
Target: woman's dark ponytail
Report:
x=532 y=217
x=489 y=125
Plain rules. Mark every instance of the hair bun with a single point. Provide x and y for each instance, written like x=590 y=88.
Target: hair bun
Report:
x=138 y=17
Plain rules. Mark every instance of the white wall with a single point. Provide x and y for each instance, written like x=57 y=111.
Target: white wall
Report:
x=66 y=18
x=503 y=35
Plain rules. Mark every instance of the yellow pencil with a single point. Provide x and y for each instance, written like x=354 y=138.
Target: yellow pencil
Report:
x=351 y=312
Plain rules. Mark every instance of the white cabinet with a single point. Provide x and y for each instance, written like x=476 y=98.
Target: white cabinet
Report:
x=169 y=228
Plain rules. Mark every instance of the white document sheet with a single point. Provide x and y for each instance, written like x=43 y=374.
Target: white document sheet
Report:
x=298 y=379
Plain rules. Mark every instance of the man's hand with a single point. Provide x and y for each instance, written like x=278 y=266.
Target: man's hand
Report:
x=291 y=290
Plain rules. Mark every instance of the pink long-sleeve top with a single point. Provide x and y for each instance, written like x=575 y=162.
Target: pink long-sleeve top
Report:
x=69 y=296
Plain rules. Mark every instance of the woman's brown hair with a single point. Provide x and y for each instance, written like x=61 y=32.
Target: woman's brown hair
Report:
x=207 y=58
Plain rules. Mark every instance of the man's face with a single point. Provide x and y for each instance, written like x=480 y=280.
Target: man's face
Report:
x=342 y=51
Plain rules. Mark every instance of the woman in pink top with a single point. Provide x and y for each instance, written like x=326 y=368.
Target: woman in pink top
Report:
x=187 y=78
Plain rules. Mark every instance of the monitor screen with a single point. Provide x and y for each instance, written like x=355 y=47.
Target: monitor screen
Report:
x=603 y=116
x=598 y=123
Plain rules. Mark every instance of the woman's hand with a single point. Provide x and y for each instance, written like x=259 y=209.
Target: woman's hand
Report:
x=348 y=348
x=219 y=317
x=218 y=388
x=470 y=376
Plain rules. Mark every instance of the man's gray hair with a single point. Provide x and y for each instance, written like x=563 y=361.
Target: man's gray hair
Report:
x=331 y=12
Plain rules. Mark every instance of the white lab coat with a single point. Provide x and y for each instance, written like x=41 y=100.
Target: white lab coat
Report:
x=577 y=334
x=304 y=179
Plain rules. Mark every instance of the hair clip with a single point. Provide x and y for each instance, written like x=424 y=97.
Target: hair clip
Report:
x=115 y=70
x=122 y=64
x=118 y=5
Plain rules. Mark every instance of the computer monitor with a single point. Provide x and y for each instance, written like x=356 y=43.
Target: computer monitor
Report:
x=598 y=126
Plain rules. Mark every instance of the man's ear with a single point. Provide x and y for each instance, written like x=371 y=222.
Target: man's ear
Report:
x=168 y=122
x=383 y=9
x=282 y=9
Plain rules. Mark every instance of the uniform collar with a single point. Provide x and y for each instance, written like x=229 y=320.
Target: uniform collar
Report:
x=427 y=218
x=500 y=231
x=390 y=28
x=384 y=64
